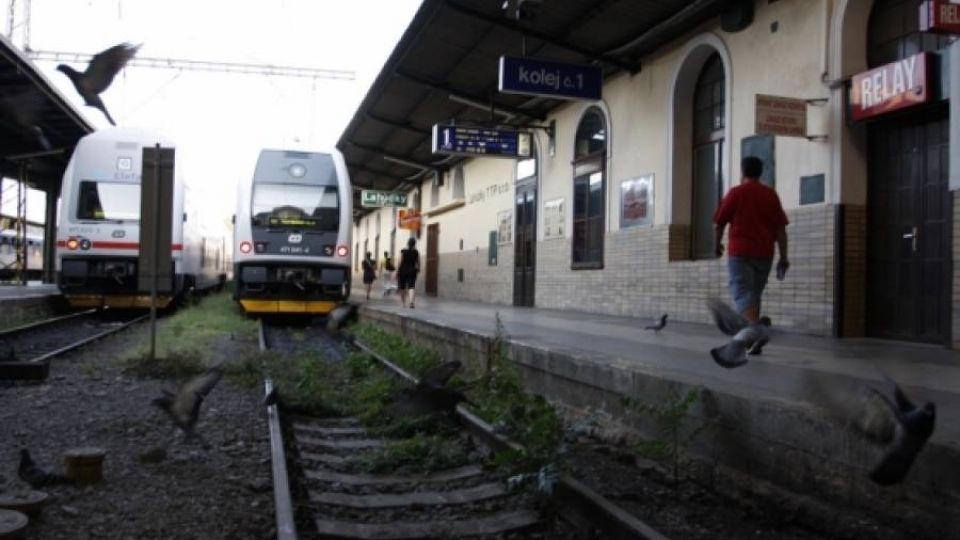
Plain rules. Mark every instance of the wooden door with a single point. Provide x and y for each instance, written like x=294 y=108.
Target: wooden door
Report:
x=525 y=245
x=433 y=237
x=908 y=223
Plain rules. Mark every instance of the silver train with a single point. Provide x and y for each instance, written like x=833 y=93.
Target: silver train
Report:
x=8 y=255
x=292 y=233
x=98 y=234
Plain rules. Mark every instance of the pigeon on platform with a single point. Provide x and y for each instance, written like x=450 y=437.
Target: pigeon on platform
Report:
x=37 y=477
x=659 y=325
x=911 y=429
x=184 y=406
x=746 y=338
x=99 y=74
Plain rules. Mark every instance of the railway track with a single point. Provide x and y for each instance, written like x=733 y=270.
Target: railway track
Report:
x=327 y=498
x=26 y=350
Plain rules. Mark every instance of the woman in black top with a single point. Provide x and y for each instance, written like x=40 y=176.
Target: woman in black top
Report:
x=408 y=270
x=369 y=272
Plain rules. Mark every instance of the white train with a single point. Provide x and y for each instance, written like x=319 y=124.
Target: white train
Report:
x=98 y=234
x=292 y=233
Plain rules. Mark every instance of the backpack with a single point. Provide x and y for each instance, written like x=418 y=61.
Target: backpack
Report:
x=388 y=264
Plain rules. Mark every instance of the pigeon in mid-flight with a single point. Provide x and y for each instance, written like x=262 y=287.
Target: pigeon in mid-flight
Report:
x=99 y=74
x=659 y=325
x=32 y=474
x=746 y=337
x=431 y=394
x=24 y=106
x=911 y=427
x=184 y=406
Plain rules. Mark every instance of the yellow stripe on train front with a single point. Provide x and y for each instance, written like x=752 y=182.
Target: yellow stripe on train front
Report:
x=288 y=306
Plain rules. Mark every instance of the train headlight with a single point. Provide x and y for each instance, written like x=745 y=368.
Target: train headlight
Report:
x=342 y=250
x=85 y=244
x=245 y=247
x=73 y=244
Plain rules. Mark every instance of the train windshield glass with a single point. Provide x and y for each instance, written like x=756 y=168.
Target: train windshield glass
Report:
x=109 y=201
x=296 y=205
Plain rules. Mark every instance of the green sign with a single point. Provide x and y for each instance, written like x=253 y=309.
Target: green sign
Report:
x=371 y=198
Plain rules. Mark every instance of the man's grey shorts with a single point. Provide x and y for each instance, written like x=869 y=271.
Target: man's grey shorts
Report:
x=748 y=277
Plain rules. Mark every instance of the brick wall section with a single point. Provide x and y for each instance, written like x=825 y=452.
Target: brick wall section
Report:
x=639 y=280
x=855 y=271
x=955 y=306
x=481 y=282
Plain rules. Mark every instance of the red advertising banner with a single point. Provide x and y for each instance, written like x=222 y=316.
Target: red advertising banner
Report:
x=409 y=219
x=940 y=16
x=890 y=87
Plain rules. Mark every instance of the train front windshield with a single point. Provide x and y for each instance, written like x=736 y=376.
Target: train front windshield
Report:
x=279 y=205
x=108 y=201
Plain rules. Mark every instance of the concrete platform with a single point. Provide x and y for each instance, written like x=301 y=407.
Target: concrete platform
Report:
x=782 y=418
x=24 y=303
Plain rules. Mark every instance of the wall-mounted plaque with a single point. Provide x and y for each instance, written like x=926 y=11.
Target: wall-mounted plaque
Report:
x=553 y=219
x=636 y=201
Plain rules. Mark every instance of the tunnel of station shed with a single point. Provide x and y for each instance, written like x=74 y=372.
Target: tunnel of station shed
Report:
x=38 y=130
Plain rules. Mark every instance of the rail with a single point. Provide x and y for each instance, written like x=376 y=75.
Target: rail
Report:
x=286 y=526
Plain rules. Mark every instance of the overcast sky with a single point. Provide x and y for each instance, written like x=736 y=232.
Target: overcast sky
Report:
x=220 y=121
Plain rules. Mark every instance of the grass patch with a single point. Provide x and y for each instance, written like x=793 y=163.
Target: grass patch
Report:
x=414 y=455
x=500 y=397
x=186 y=340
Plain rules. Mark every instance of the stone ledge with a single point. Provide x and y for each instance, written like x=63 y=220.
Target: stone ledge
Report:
x=787 y=443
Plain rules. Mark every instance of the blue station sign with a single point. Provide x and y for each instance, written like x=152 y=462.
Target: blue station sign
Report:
x=520 y=75
x=479 y=141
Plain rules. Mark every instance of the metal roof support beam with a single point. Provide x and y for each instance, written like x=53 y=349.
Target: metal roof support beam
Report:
x=604 y=57
x=413 y=164
x=668 y=29
x=400 y=125
x=465 y=96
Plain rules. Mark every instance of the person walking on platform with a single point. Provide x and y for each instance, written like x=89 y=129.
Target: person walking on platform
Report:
x=408 y=270
x=387 y=269
x=369 y=272
x=757 y=221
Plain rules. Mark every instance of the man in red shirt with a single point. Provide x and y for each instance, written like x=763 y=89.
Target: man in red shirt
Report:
x=756 y=220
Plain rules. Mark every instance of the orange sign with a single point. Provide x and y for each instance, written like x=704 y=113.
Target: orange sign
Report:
x=890 y=87
x=781 y=116
x=409 y=219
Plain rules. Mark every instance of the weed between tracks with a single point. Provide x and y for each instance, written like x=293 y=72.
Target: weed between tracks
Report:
x=498 y=392
x=191 y=339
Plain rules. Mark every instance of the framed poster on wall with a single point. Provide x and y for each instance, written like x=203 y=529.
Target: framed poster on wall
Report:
x=553 y=219
x=505 y=227
x=636 y=201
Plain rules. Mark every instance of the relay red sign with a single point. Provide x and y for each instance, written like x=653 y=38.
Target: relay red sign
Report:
x=890 y=87
x=940 y=16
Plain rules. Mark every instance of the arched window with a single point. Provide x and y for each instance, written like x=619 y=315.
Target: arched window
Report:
x=894 y=33
x=589 y=190
x=709 y=114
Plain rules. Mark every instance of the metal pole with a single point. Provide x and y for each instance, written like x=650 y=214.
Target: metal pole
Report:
x=156 y=254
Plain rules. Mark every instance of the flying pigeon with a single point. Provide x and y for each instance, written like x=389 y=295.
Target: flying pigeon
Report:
x=184 y=406
x=32 y=474
x=340 y=315
x=911 y=429
x=747 y=338
x=24 y=106
x=431 y=395
x=659 y=325
x=99 y=74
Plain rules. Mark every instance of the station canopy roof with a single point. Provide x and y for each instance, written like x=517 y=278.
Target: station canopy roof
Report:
x=445 y=68
x=38 y=125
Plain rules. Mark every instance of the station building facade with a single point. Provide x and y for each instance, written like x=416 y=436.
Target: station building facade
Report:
x=613 y=214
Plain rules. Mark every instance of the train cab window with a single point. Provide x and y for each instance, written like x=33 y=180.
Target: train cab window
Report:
x=108 y=201
x=296 y=205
